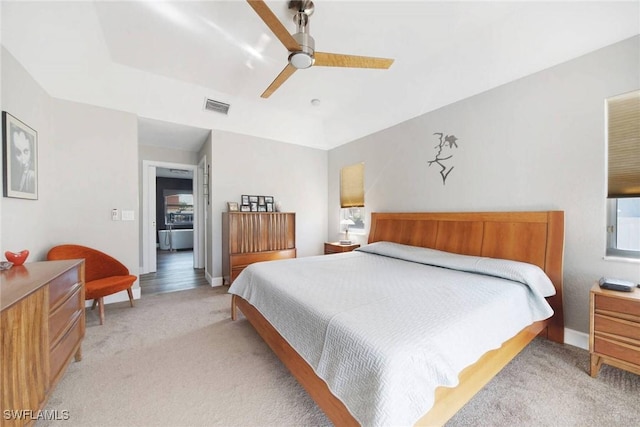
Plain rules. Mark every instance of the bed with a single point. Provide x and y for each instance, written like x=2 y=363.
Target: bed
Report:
x=483 y=239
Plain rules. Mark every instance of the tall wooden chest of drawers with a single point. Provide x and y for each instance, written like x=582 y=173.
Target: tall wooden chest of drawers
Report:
x=42 y=322
x=249 y=237
x=614 y=337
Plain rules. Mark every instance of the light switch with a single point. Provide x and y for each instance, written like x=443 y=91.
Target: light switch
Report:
x=115 y=215
x=128 y=215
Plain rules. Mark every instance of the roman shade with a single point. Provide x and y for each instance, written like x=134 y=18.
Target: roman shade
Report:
x=352 y=186
x=623 y=122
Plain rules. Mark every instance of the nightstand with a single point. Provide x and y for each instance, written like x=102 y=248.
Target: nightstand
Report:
x=336 y=247
x=614 y=330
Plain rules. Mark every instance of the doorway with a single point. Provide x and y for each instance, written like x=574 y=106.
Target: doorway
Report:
x=153 y=222
x=174 y=272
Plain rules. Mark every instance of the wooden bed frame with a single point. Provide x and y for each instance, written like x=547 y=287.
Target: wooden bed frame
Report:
x=533 y=237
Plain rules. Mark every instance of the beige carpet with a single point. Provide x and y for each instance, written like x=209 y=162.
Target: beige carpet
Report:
x=176 y=359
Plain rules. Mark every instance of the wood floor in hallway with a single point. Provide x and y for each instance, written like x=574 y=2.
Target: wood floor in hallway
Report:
x=174 y=272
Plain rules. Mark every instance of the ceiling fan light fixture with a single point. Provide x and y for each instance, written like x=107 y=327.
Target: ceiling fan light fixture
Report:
x=301 y=60
x=301 y=46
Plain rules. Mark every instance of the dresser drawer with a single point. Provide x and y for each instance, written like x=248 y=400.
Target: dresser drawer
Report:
x=628 y=353
x=62 y=351
x=64 y=313
x=619 y=305
x=62 y=286
x=242 y=260
x=613 y=325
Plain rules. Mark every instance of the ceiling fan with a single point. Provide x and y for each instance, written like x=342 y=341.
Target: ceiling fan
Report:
x=301 y=46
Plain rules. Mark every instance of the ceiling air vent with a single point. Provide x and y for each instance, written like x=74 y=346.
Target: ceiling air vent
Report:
x=217 y=106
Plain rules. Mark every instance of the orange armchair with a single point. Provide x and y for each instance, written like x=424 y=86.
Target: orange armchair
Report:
x=104 y=275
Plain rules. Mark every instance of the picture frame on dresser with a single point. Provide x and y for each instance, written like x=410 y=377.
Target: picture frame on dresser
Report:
x=269 y=206
x=244 y=199
x=254 y=206
x=245 y=208
x=253 y=199
x=268 y=199
x=232 y=206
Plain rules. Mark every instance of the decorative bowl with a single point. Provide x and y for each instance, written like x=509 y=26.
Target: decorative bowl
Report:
x=17 y=258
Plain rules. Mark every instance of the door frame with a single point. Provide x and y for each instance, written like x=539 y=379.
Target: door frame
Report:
x=149 y=228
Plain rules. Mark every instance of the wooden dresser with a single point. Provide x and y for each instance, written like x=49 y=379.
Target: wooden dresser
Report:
x=249 y=237
x=614 y=332
x=42 y=326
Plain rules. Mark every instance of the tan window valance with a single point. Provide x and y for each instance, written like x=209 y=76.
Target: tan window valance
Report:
x=623 y=123
x=352 y=186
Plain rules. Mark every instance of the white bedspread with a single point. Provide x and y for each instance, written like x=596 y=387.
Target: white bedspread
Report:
x=384 y=332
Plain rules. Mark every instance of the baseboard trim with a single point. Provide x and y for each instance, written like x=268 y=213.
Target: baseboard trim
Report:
x=215 y=281
x=576 y=338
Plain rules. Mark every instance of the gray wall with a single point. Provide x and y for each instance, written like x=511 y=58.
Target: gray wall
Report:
x=533 y=144
x=296 y=176
x=87 y=162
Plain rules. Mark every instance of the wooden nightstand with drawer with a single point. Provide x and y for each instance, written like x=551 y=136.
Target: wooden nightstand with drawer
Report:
x=336 y=247
x=614 y=330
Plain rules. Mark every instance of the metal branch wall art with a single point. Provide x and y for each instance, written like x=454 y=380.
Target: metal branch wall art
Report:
x=447 y=143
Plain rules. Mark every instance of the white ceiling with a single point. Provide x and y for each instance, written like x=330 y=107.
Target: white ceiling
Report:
x=160 y=60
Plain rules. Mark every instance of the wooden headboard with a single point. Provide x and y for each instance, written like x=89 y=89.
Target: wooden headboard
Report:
x=533 y=237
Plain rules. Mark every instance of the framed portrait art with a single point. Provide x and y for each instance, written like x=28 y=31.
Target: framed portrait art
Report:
x=20 y=158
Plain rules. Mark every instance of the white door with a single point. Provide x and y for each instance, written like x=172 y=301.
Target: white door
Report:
x=149 y=237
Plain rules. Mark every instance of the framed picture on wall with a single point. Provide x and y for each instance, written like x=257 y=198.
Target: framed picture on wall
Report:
x=20 y=159
x=260 y=200
x=254 y=206
x=268 y=199
x=245 y=208
x=244 y=200
x=253 y=199
x=262 y=208
x=269 y=207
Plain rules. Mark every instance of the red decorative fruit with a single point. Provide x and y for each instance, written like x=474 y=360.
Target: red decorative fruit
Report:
x=17 y=258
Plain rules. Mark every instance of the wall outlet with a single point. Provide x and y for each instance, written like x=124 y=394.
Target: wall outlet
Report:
x=115 y=215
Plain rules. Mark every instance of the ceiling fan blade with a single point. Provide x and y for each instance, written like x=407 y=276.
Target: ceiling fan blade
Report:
x=324 y=59
x=282 y=77
x=274 y=24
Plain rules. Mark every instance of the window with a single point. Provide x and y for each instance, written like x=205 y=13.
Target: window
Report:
x=178 y=209
x=623 y=237
x=352 y=214
x=623 y=176
x=356 y=215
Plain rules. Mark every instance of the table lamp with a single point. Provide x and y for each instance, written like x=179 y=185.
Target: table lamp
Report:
x=346 y=223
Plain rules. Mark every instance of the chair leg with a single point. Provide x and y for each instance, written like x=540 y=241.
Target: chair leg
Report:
x=93 y=306
x=130 y=292
x=101 y=307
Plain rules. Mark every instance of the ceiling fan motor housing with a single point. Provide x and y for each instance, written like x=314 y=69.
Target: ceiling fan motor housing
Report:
x=303 y=58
